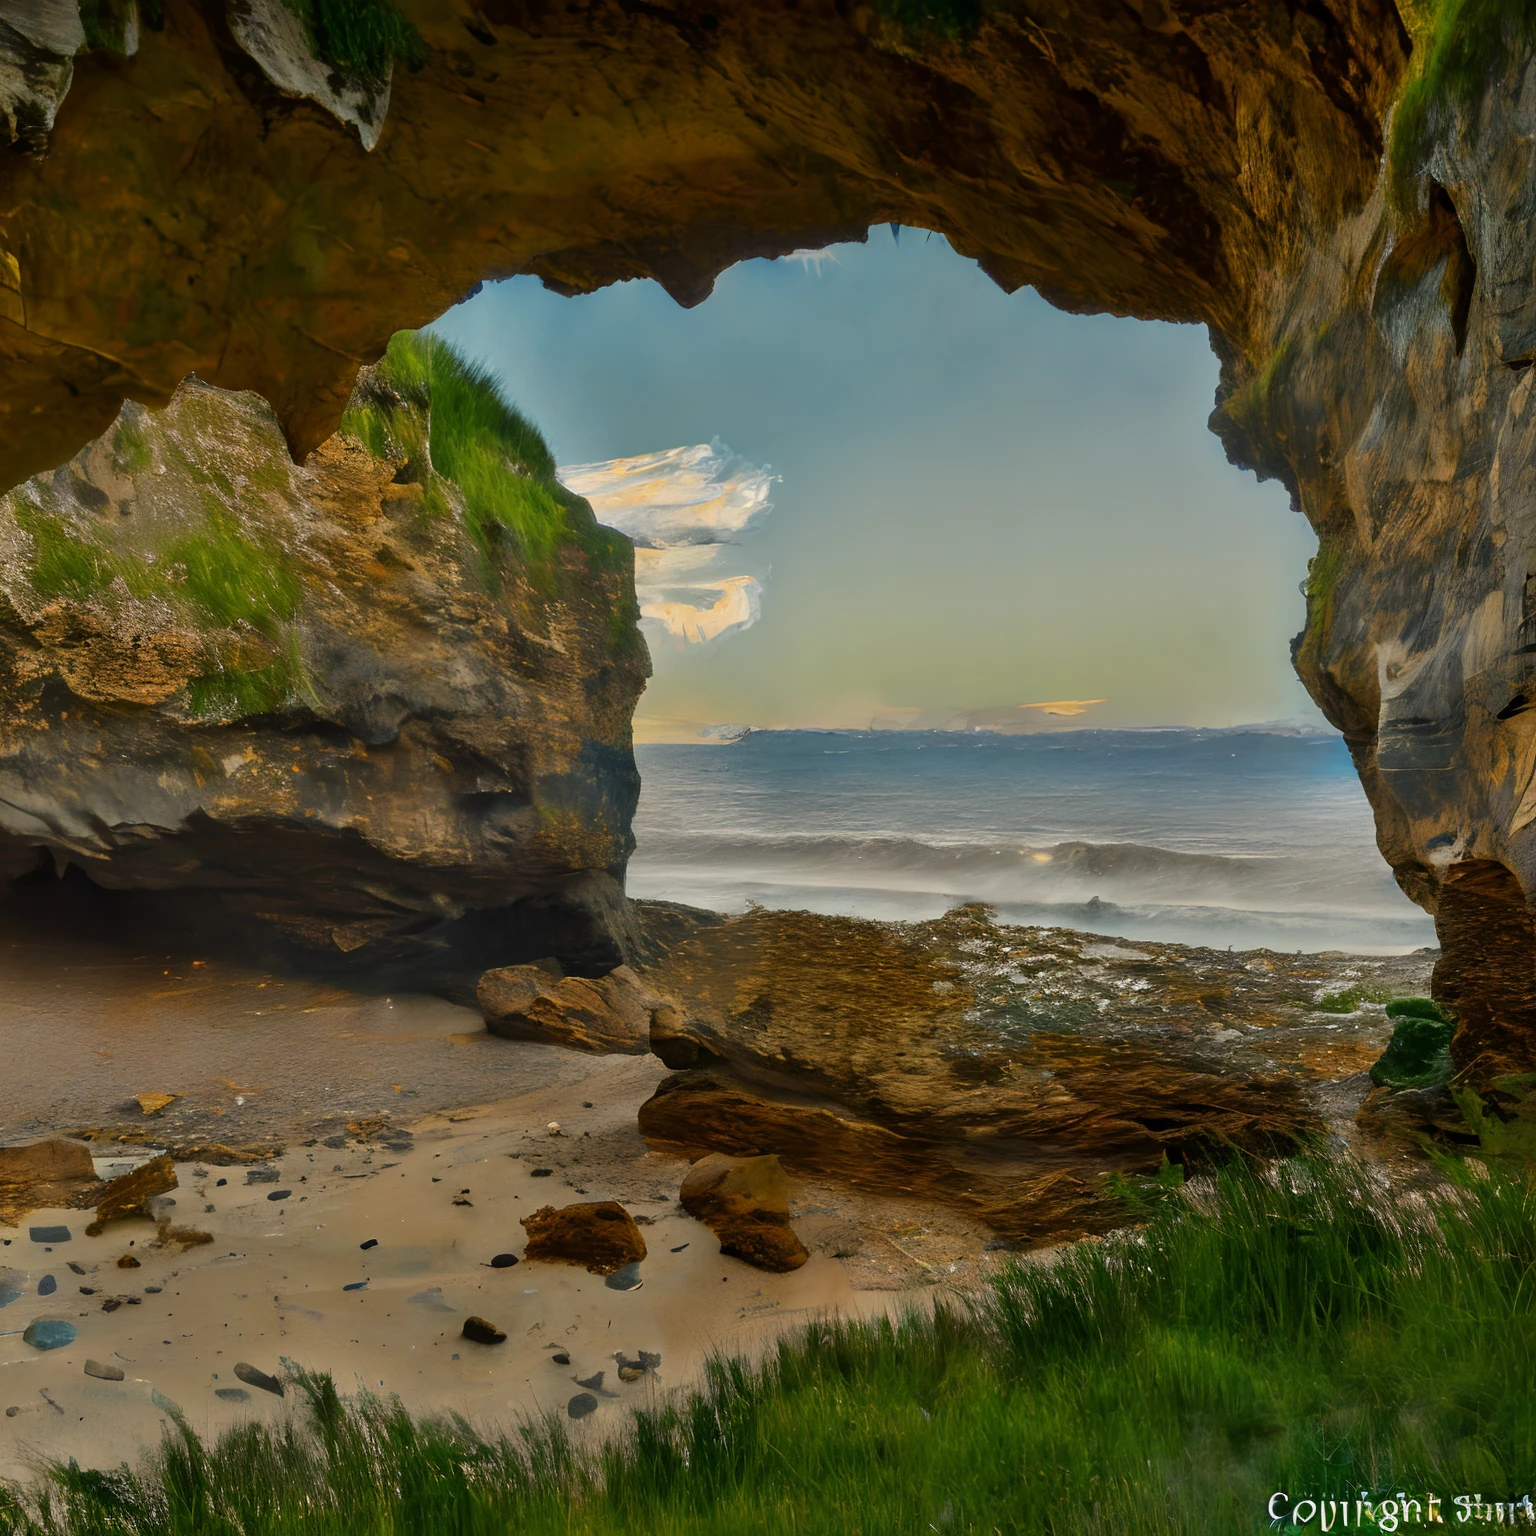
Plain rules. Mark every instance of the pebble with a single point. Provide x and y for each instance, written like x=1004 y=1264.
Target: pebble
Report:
x=261 y=1176
x=372 y=1242
x=253 y=1377
x=478 y=1331
x=49 y=1234
x=630 y=1373
x=103 y=1372
x=625 y=1279
x=542 y=1173
x=128 y=1262
x=679 y=1247
x=279 y=1194
x=581 y=1405
x=504 y=1261
x=49 y=1333
x=78 y=1269
x=594 y=1382
x=356 y=1285
x=560 y=1358
x=47 y=1286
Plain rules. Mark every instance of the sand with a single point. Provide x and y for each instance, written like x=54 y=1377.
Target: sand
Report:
x=95 y=1027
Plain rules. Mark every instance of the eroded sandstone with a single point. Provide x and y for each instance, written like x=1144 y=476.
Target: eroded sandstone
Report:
x=332 y=712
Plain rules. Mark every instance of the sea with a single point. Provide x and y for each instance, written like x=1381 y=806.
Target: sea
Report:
x=1243 y=838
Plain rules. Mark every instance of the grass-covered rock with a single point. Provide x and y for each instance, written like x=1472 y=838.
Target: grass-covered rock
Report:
x=373 y=708
x=1418 y=1054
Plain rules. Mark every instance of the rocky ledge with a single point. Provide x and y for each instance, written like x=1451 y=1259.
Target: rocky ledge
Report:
x=1015 y=1073
x=370 y=712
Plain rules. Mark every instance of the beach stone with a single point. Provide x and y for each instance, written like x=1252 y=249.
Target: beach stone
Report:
x=49 y=1333
x=581 y=1405
x=103 y=1372
x=49 y=1234
x=131 y=1194
x=594 y=1382
x=744 y=1201
x=371 y=1242
x=263 y=1175
x=478 y=1331
x=504 y=1261
x=47 y=1286
x=51 y=1173
x=128 y=1262
x=609 y=1015
x=626 y=1278
x=600 y=1235
x=252 y=1376
x=630 y=1372
x=560 y=1357
x=280 y=1194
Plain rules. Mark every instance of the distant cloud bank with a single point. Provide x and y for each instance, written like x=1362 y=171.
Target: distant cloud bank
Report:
x=685 y=508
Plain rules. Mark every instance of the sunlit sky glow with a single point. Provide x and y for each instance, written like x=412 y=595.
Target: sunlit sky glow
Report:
x=982 y=503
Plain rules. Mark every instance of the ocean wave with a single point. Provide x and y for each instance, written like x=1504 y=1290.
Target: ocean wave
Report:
x=1067 y=872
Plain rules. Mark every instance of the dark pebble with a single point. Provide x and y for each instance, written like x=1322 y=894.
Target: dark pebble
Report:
x=256 y=1378
x=103 y=1372
x=626 y=1279
x=49 y=1234
x=560 y=1358
x=262 y=1175
x=111 y=1304
x=335 y=1143
x=78 y=1269
x=47 y=1286
x=87 y=1290
x=478 y=1331
x=679 y=1247
x=221 y=1183
x=279 y=1194
x=504 y=1261
x=152 y=1290
x=372 y=1242
x=581 y=1405
x=595 y=1382
x=542 y=1173
x=586 y=1103
x=356 y=1285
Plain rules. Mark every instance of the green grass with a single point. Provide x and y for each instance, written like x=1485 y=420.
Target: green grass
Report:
x=106 y=23
x=1294 y=1329
x=360 y=38
x=951 y=19
x=1459 y=46
x=232 y=580
x=1350 y=999
x=514 y=510
x=1418 y=1055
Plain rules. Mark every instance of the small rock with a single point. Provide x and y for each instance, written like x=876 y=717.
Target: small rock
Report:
x=153 y=1103
x=679 y=1247
x=232 y=1394
x=457 y=1200
x=220 y=1183
x=78 y=1269
x=279 y=1194
x=504 y=1261
x=372 y=1242
x=625 y=1279
x=541 y=1173
x=356 y=1285
x=112 y=1303
x=600 y=1235
x=744 y=1201
x=152 y=1290
x=130 y=1195
x=47 y=1286
x=48 y=1234
x=103 y=1372
x=253 y=1377
x=586 y=1103
x=630 y=1373
x=262 y=1175
x=128 y=1262
x=560 y=1358
x=478 y=1331
x=581 y=1405
x=87 y=1290
x=594 y=1382
x=49 y=1333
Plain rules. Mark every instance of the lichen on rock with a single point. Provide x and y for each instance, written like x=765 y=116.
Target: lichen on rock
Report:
x=364 y=707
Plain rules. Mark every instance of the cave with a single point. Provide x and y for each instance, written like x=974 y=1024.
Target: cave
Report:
x=263 y=220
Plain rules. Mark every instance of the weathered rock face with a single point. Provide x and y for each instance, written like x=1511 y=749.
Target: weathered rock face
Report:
x=1005 y=1071
x=600 y=1235
x=610 y=1015
x=205 y=201
x=336 y=710
x=744 y=1201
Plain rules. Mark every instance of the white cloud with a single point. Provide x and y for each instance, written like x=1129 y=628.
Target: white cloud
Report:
x=684 y=508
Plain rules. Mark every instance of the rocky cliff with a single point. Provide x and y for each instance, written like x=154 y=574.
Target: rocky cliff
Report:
x=1340 y=189
x=372 y=710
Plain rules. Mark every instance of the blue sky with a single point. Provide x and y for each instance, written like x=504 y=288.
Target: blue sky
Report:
x=983 y=501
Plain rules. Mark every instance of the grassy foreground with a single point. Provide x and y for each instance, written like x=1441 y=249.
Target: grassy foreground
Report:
x=1300 y=1330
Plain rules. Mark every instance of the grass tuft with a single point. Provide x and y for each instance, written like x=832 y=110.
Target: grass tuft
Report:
x=360 y=38
x=1284 y=1328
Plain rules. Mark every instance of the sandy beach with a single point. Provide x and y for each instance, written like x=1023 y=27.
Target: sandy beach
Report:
x=363 y=1245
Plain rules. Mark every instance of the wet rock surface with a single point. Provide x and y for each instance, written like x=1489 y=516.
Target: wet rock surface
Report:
x=1006 y=1071
x=54 y=1172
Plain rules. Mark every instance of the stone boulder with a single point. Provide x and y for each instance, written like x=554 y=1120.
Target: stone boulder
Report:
x=600 y=1235
x=52 y=1173
x=130 y=1195
x=353 y=711
x=744 y=1201
x=612 y=1014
